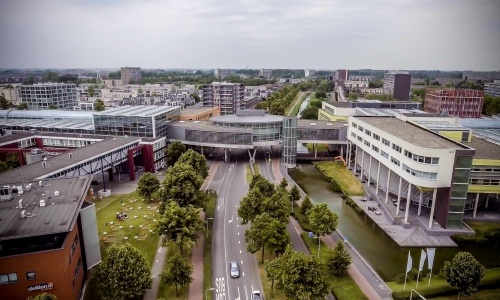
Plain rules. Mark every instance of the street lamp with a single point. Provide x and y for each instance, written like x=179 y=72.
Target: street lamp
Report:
x=206 y=291
x=291 y=199
x=207 y=224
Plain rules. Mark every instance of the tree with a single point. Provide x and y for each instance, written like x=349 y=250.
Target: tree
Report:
x=323 y=221
x=182 y=185
x=4 y=167
x=464 y=273
x=265 y=186
x=99 y=105
x=196 y=98
x=266 y=232
x=250 y=206
x=174 y=151
x=179 y=224
x=320 y=94
x=310 y=113
x=12 y=160
x=272 y=271
x=148 y=185
x=91 y=91
x=4 y=104
x=283 y=183
x=300 y=276
x=50 y=76
x=338 y=260
x=195 y=160
x=178 y=272
x=295 y=193
x=276 y=207
x=254 y=180
x=23 y=106
x=306 y=205
x=124 y=274
x=43 y=296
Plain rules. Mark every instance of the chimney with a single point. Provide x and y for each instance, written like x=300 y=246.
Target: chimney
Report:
x=70 y=155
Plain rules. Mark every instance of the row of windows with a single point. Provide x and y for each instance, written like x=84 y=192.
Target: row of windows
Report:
x=420 y=174
x=65 y=143
x=485 y=169
x=8 y=278
x=485 y=181
x=367 y=143
x=422 y=159
x=395 y=161
x=396 y=148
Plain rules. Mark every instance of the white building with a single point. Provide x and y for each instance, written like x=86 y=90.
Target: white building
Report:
x=47 y=95
x=310 y=73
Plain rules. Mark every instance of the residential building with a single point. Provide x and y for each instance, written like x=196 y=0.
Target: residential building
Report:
x=227 y=96
x=492 y=89
x=266 y=73
x=355 y=86
x=483 y=76
x=49 y=95
x=131 y=75
x=342 y=74
x=397 y=84
x=221 y=73
x=464 y=103
x=10 y=94
x=309 y=73
x=48 y=237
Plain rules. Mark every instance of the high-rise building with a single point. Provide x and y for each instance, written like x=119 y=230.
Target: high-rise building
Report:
x=227 y=96
x=310 y=73
x=221 y=73
x=49 y=95
x=464 y=103
x=397 y=84
x=131 y=75
x=492 y=89
x=342 y=74
x=267 y=73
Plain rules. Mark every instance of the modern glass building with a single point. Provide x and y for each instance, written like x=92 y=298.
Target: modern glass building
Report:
x=289 y=153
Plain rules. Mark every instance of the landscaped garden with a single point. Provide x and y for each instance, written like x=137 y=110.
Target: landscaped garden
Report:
x=339 y=174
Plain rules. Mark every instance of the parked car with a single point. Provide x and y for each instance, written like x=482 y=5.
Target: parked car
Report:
x=235 y=270
x=256 y=295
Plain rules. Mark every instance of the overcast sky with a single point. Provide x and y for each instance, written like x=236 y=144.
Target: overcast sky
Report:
x=319 y=34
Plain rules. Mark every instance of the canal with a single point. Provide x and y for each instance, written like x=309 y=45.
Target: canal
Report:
x=381 y=252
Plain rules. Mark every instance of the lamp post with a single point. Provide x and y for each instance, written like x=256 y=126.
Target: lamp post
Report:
x=207 y=224
x=291 y=199
x=206 y=291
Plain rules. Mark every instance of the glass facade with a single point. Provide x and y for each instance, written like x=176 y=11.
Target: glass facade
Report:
x=459 y=187
x=289 y=141
x=262 y=131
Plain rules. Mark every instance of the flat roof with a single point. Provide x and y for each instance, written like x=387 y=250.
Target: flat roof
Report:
x=48 y=123
x=484 y=149
x=137 y=110
x=320 y=124
x=7 y=139
x=79 y=155
x=58 y=215
x=206 y=125
x=410 y=133
x=197 y=111
x=247 y=119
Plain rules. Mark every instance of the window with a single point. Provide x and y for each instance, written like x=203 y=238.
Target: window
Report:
x=376 y=136
x=30 y=275
x=354 y=125
x=386 y=142
x=368 y=132
x=375 y=148
x=78 y=266
x=360 y=128
x=384 y=154
x=395 y=161
x=396 y=147
x=367 y=143
x=360 y=139
x=353 y=134
x=8 y=278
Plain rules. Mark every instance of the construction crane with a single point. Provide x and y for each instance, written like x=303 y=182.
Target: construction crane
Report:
x=340 y=158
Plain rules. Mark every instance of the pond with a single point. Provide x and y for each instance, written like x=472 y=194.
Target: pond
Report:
x=381 y=252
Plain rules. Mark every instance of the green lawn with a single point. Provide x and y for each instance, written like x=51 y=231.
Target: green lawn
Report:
x=492 y=294
x=207 y=252
x=485 y=233
x=439 y=286
x=336 y=171
x=106 y=213
x=321 y=148
x=249 y=174
x=293 y=109
x=344 y=287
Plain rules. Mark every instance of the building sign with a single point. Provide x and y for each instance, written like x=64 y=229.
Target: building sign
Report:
x=41 y=287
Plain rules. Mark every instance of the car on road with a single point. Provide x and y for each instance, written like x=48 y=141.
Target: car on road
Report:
x=94 y=182
x=256 y=295
x=235 y=270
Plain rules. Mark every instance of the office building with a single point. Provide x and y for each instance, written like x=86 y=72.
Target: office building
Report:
x=463 y=103
x=48 y=237
x=309 y=73
x=266 y=73
x=131 y=75
x=227 y=96
x=397 y=84
x=48 y=95
x=492 y=89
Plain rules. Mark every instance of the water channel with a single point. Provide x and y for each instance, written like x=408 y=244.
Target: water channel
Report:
x=303 y=105
x=381 y=252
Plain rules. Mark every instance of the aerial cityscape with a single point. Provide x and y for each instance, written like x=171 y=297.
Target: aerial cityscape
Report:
x=249 y=150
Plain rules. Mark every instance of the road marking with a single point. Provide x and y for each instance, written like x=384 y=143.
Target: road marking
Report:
x=241 y=262
x=240 y=251
x=243 y=274
x=238 y=225
x=231 y=219
x=238 y=233
x=246 y=292
x=220 y=288
x=220 y=203
x=237 y=219
x=238 y=294
x=239 y=242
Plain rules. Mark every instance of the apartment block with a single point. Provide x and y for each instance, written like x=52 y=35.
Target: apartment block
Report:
x=464 y=103
x=227 y=96
x=49 y=95
x=397 y=84
x=131 y=75
x=492 y=89
x=221 y=73
x=310 y=73
x=266 y=73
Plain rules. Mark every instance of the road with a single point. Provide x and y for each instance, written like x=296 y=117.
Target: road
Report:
x=228 y=242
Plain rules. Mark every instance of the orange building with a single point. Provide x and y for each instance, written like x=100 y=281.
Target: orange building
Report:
x=199 y=114
x=48 y=237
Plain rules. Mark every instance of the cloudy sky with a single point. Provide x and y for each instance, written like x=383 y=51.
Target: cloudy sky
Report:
x=320 y=34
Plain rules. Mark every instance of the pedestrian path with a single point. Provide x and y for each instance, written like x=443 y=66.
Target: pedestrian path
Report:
x=161 y=255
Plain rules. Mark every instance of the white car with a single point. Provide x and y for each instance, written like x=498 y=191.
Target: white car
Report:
x=235 y=270
x=257 y=296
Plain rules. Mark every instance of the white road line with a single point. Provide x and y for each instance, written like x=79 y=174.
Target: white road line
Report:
x=246 y=292
x=240 y=251
x=243 y=274
x=238 y=233
x=239 y=242
x=241 y=262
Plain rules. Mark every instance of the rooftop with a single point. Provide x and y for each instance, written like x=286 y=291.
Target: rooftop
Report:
x=206 y=125
x=247 y=119
x=7 y=139
x=484 y=149
x=137 y=111
x=59 y=162
x=319 y=124
x=197 y=111
x=63 y=198
x=410 y=133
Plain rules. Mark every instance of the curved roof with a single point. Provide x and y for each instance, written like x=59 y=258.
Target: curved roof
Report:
x=247 y=119
x=46 y=114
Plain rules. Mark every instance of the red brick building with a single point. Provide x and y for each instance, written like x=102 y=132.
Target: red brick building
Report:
x=463 y=103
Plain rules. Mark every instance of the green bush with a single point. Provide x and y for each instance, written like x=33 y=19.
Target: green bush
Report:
x=336 y=187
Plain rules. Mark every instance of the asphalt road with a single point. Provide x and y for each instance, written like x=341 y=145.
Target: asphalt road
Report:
x=228 y=242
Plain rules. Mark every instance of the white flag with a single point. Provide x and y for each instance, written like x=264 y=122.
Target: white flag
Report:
x=430 y=254
x=423 y=256
x=409 y=263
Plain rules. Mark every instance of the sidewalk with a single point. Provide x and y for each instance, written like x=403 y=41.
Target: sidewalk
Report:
x=368 y=281
x=157 y=268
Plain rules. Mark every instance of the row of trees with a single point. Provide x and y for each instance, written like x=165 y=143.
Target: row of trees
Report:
x=277 y=103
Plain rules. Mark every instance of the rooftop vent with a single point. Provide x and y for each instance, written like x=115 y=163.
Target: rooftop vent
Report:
x=21 y=203
x=23 y=214
x=329 y=124
x=313 y=124
x=42 y=203
x=70 y=155
x=56 y=193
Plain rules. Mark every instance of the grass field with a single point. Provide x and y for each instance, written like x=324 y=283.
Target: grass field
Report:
x=344 y=287
x=132 y=227
x=336 y=171
x=249 y=174
x=207 y=252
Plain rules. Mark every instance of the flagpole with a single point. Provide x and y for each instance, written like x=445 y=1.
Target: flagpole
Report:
x=418 y=277
x=430 y=275
x=404 y=287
